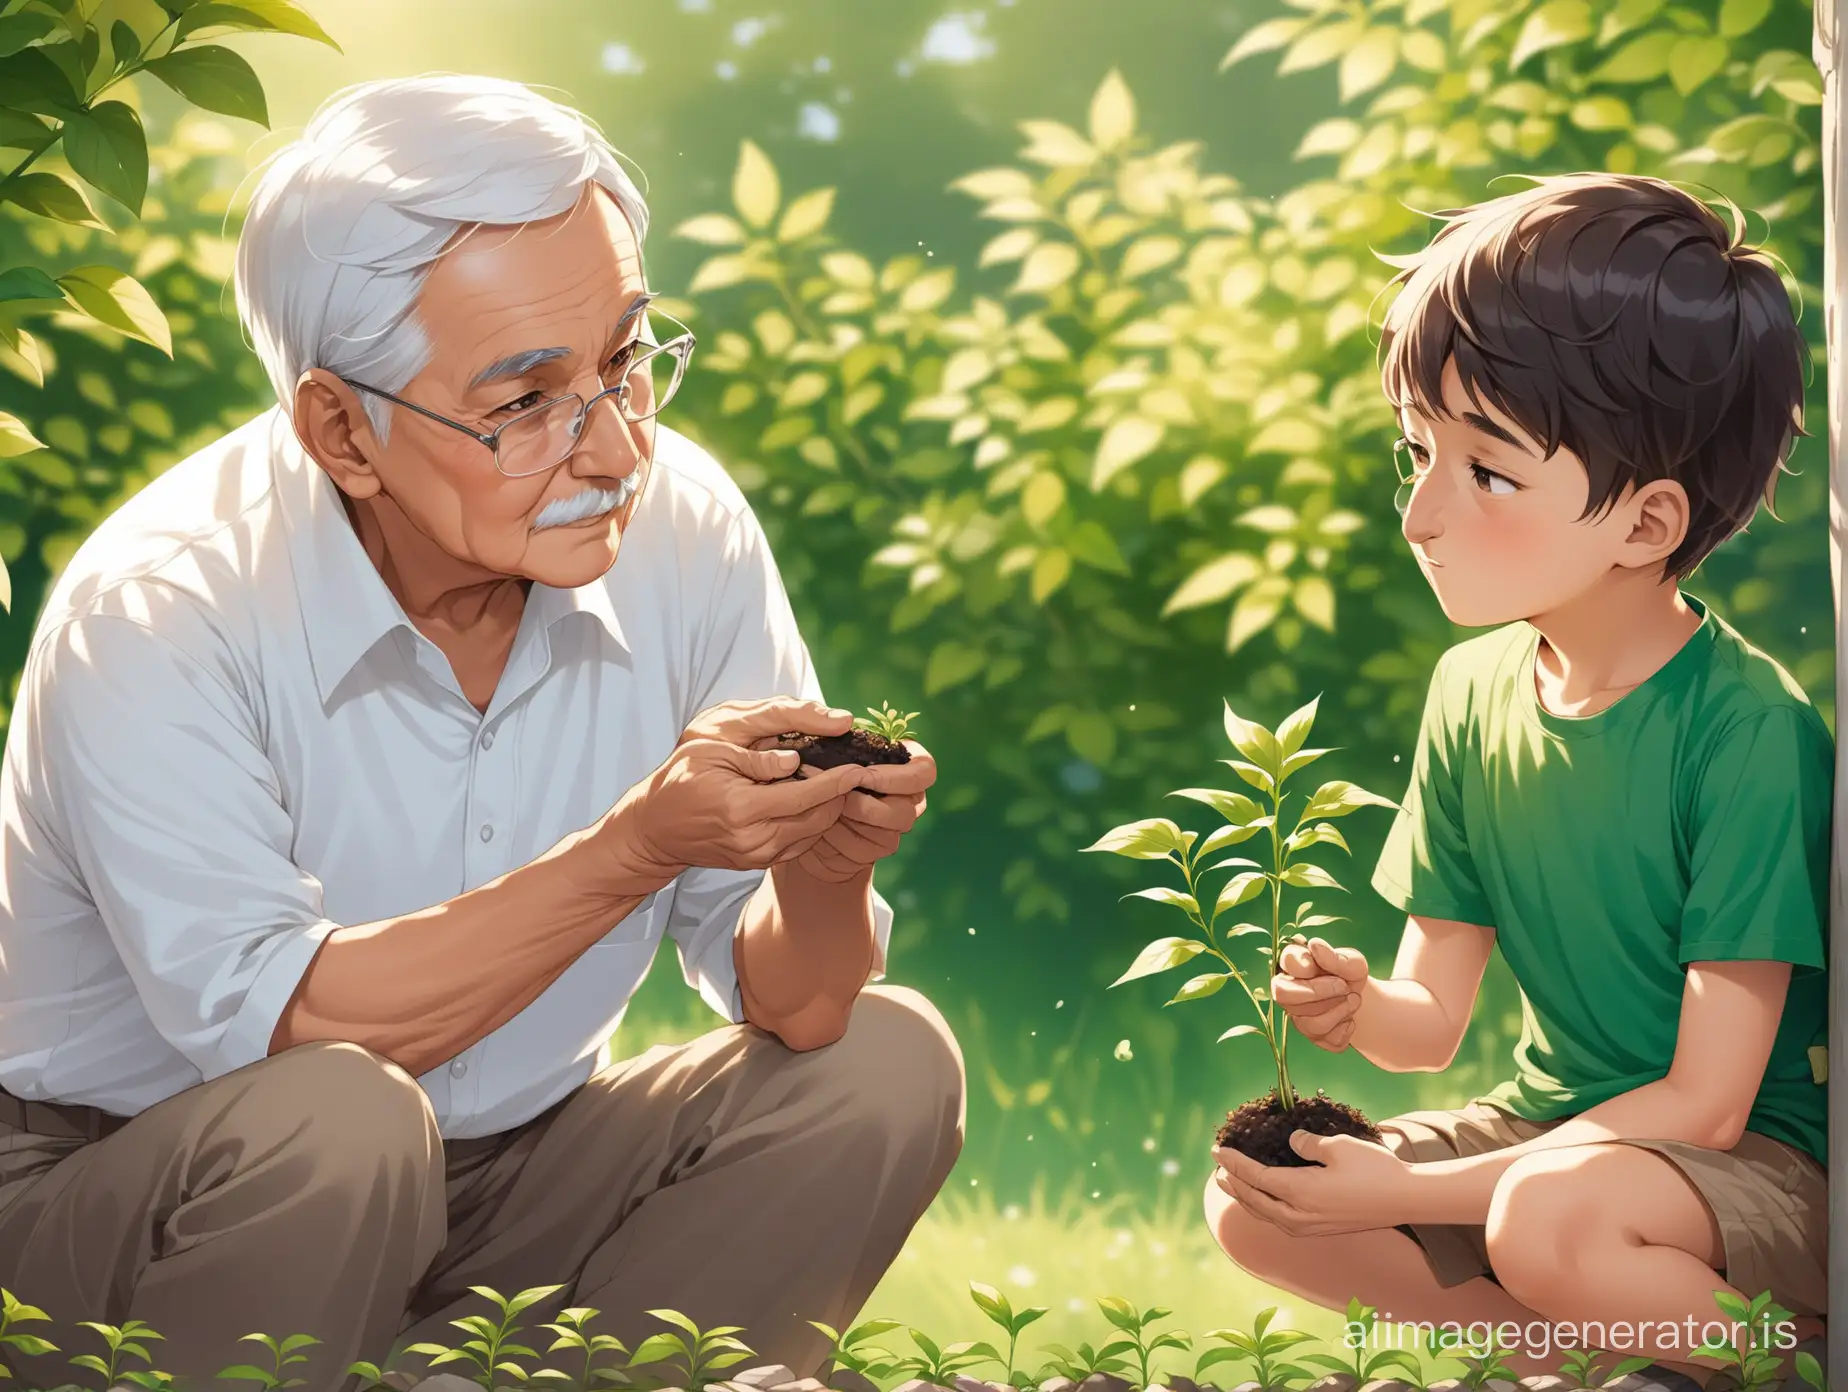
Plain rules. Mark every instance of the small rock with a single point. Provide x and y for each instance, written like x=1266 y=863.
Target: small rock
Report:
x=851 y=1380
x=963 y=1382
x=1548 y=1382
x=1334 y=1382
x=1387 y=1385
x=1106 y=1382
x=1446 y=1385
x=920 y=1385
x=1057 y=1384
x=807 y=1384
x=766 y=1375
x=447 y=1382
x=1501 y=1385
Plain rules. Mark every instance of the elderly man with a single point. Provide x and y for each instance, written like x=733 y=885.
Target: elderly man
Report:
x=362 y=762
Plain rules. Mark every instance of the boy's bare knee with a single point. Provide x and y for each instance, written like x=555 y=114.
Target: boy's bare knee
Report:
x=1255 y=1245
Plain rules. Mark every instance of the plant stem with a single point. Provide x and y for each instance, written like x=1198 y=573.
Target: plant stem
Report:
x=1280 y=1044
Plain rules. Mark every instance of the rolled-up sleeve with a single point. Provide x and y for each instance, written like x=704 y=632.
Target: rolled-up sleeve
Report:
x=748 y=647
x=175 y=820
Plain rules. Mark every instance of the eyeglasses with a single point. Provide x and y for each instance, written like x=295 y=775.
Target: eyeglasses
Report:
x=1405 y=463
x=545 y=436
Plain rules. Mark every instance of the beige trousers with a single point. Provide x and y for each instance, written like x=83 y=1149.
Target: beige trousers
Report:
x=729 y=1178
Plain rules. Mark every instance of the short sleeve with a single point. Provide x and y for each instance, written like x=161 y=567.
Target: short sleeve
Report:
x=749 y=647
x=1758 y=864
x=1425 y=867
x=174 y=818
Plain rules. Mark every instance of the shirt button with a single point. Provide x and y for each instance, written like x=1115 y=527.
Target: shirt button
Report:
x=487 y=832
x=487 y=740
x=459 y=1067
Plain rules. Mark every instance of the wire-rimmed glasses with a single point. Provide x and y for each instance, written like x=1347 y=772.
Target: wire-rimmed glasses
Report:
x=545 y=436
x=1405 y=463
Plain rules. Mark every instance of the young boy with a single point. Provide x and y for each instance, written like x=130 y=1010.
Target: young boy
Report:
x=1597 y=384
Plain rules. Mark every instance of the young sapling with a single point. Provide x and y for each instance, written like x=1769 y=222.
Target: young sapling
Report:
x=1260 y=1128
x=876 y=738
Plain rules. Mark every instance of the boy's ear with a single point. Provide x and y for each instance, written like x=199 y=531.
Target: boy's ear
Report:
x=1659 y=513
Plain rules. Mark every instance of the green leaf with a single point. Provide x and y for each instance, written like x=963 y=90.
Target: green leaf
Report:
x=1739 y=17
x=1338 y=798
x=1152 y=838
x=116 y=299
x=1241 y=889
x=1643 y=59
x=211 y=76
x=32 y=81
x=1232 y=1033
x=1159 y=956
x=1162 y=894
x=1236 y=808
x=756 y=192
x=124 y=43
x=991 y=1303
x=28 y=283
x=1229 y=836
x=1694 y=59
x=1210 y=983
x=1305 y=876
x=261 y=16
x=951 y=664
x=1295 y=728
x=107 y=147
x=245 y=1372
x=19 y=30
x=52 y=196
x=1272 y=34
x=1090 y=543
x=1123 y=444
x=806 y=215
x=1252 y=774
x=1253 y=741
x=660 y=1348
x=526 y=1299
x=16 y=438
x=29 y=1344
x=1551 y=26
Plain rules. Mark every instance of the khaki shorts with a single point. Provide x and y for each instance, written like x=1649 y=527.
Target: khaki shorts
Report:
x=1771 y=1200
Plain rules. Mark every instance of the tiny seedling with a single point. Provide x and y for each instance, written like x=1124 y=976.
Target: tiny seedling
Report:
x=887 y=723
x=1361 y=1322
x=940 y=1365
x=281 y=1356
x=569 y=1327
x=1080 y=1363
x=1135 y=1329
x=1269 y=762
x=1754 y=1364
x=1580 y=1366
x=698 y=1356
x=493 y=1346
x=850 y=1352
x=995 y=1305
x=1811 y=1371
x=128 y=1341
x=1482 y=1363
x=12 y=1312
x=1263 y=1348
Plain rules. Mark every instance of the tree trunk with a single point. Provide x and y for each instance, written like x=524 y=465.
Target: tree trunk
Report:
x=1827 y=48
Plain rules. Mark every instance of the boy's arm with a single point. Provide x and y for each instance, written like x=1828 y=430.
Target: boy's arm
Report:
x=1730 y=1012
x=1414 y=1020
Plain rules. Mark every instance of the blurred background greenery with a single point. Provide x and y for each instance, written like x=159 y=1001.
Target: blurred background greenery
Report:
x=1061 y=410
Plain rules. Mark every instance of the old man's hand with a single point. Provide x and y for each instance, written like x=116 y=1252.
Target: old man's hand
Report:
x=717 y=802
x=877 y=814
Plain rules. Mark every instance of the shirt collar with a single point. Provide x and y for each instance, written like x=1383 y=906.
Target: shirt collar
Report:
x=346 y=606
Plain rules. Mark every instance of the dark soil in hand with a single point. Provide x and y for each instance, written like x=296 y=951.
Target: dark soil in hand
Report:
x=857 y=746
x=1261 y=1128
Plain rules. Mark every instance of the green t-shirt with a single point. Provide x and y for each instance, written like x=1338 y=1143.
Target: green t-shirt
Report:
x=1689 y=821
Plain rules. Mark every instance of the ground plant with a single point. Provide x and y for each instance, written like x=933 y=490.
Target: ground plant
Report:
x=1583 y=1366
x=996 y=1306
x=1266 y=1350
x=1362 y=1320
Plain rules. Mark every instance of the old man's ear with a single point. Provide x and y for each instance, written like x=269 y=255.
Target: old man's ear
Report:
x=332 y=425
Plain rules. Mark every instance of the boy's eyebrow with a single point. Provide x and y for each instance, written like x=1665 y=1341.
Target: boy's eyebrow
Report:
x=1488 y=427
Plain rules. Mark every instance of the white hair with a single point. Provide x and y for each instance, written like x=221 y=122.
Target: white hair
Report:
x=346 y=222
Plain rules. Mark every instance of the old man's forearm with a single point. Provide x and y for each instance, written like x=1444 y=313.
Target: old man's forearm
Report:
x=420 y=988
x=803 y=950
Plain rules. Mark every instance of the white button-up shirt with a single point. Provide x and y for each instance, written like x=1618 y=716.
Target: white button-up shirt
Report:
x=229 y=740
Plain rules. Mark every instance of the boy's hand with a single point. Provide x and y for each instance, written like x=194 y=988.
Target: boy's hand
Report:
x=1319 y=988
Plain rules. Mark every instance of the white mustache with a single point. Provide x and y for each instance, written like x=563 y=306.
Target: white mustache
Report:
x=592 y=502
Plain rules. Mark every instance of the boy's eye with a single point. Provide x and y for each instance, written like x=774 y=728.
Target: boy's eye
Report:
x=1491 y=482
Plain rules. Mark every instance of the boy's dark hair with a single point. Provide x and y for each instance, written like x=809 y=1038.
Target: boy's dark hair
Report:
x=1617 y=316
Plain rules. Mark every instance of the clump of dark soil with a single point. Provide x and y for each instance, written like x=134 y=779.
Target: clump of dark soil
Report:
x=1261 y=1128
x=857 y=746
